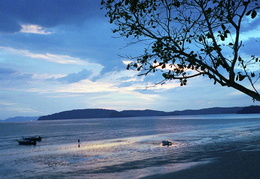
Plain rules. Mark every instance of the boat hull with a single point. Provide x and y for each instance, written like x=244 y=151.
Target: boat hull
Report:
x=36 y=138
x=26 y=142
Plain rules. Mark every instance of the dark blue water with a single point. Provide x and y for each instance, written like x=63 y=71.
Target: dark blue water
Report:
x=122 y=147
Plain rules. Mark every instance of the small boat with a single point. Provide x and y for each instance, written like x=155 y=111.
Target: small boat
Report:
x=166 y=143
x=34 y=138
x=26 y=142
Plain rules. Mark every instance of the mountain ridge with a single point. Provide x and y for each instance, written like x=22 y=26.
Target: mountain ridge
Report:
x=108 y=113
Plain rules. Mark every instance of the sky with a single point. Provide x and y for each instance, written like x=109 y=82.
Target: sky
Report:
x=62 y=55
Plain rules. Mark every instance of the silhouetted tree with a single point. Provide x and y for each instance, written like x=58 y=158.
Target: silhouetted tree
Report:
x=189 y=38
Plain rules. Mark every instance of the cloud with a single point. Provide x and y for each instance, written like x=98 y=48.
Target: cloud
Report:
x=120 y=77
x=60 y=59
x=253 y=32
x=35 y=29
x=123 y=101
x=47 y=76
x=45 y=13
x=122 y=83
x=81 y=83
x=76 y=77
x=98 y=94
x=4 y=72
x=248 y=23
x=23 y=110
x=81 y=87
x=65 y=65
x=11 y=76
x=6 y=104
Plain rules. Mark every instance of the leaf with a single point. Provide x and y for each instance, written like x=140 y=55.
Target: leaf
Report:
x=177 y=4
x=208 y=11
x=163 y=66
x=209 y=35
x=254 y=13
x=248 y=13
x=223 y=26
x=241 y=77
x=227 y=31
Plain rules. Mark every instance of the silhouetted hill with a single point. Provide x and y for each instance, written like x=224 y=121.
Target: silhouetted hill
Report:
x=249 y=110
x=140 y=113
x=80 y=114
x=105 y=113
x=216 y=110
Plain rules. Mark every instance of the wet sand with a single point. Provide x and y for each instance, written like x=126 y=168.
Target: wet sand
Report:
x=235 y=165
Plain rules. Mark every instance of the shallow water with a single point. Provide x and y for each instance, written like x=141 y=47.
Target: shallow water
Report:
x=122 y=147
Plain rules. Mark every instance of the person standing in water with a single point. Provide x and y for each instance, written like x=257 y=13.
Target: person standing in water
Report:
x=78 y=143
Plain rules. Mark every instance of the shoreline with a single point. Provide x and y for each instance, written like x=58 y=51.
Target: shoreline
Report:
x=231 y=165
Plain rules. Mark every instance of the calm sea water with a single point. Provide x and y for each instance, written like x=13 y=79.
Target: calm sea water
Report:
x=122 y=147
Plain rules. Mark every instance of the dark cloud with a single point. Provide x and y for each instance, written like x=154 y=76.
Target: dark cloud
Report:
x=5 y=72
x=75 y=77
x=248 y=25
x=46 y=13
x=11 y=76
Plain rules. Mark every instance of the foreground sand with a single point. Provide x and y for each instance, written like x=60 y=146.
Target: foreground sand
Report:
x=235 y=165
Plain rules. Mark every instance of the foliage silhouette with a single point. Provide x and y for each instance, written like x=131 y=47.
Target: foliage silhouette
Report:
x=189 y=38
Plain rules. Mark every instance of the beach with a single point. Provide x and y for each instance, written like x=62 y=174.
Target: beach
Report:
x=230 y=165
x=203 y=147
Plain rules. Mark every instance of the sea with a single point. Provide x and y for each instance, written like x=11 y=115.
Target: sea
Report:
x=122 y=147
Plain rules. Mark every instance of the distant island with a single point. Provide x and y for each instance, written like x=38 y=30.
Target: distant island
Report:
x=107 y=113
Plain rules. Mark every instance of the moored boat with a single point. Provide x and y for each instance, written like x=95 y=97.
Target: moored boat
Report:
x=33 y=138
x=26 y=142
x=166 y=143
